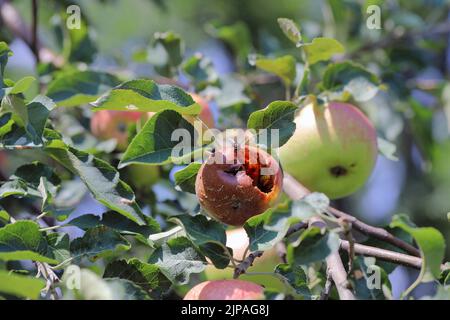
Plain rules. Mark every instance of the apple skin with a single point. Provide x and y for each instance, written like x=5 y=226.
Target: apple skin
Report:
x=232 y=189
x=237 y=240
x=226 y=290
x=108 y=124
x=333 y=150
x=142 y=176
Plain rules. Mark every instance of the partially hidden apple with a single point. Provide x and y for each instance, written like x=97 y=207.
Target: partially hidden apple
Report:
x=236 y=183
x=238 y=241
x=333 y=149
x=226 y=290
x=113 y=124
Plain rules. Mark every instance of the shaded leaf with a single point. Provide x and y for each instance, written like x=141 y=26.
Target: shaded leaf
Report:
x=178 y=259
x=290 y=29
x=259 y=237
x=117 y=222
x=295 y=278
x=431 y=244
x=147 y=96
x=20 y=286
x=185 y=178
x=314 y=246
x=278 y=115
x=22 y=240
x=97 y=242
x=154 y=143
x=100 y=178
x=80 y=87
x=322 y=49
x=283 y=67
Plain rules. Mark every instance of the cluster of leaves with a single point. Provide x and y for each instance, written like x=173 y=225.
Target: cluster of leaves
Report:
x=147 y=245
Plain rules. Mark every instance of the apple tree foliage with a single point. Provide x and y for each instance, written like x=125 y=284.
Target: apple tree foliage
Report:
x=155 y=242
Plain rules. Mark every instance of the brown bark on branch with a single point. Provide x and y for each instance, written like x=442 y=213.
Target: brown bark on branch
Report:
x=385 y=255
x=297 y=191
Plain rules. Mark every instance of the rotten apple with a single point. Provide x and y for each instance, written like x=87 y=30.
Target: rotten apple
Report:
x=237 y=183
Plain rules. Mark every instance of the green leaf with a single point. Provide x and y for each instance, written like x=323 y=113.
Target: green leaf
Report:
x=208 y=236
x=283 y=67
x=100 y=178
x=92 y=287
x=313 y=204
x=314 y=246
x=6 y=124
x=20 y=286
x=147 y=276
x=59 y=246
x=278 y=115
x=49 y=206
x=431 y=244
x=294 y=277
x=80 y=87
x=387 y=149
x=185 y=178
x=29 y=121
x=26 y=180
x=117 y=222
x=173 y=47
x=4 y=55
x=200 y=230
x=80 y=46
x=259 y=237
x=350 y=78
x=290 y=29
x=147 y=96
x=200 y=70
x=322 y=49
x=21 y=85
x=154 y=143
x=98 y=242
x=219 y=255
x=4 y=215
x=283 y=216
x=178 y=259
x=374 y=283
x=22 y=240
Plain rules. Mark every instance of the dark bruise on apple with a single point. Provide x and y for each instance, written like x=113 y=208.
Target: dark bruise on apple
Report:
x=233 y=184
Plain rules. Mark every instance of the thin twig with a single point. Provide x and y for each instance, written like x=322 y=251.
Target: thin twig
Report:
x=34 y=30
x=247 y=263
x=297 y=191
x=339 y=276
x=382 y=254
x=327 y=288
x=12 y=20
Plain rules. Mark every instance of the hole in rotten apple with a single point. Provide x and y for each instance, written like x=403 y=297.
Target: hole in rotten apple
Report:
x=262 y=182
x=338 y=171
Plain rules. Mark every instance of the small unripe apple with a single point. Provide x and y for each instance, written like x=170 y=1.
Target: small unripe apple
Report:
x=141 y=176
x=205 y=115
x=237 y=183
x=333 y=149
x=226 y=290
x=109 y=124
